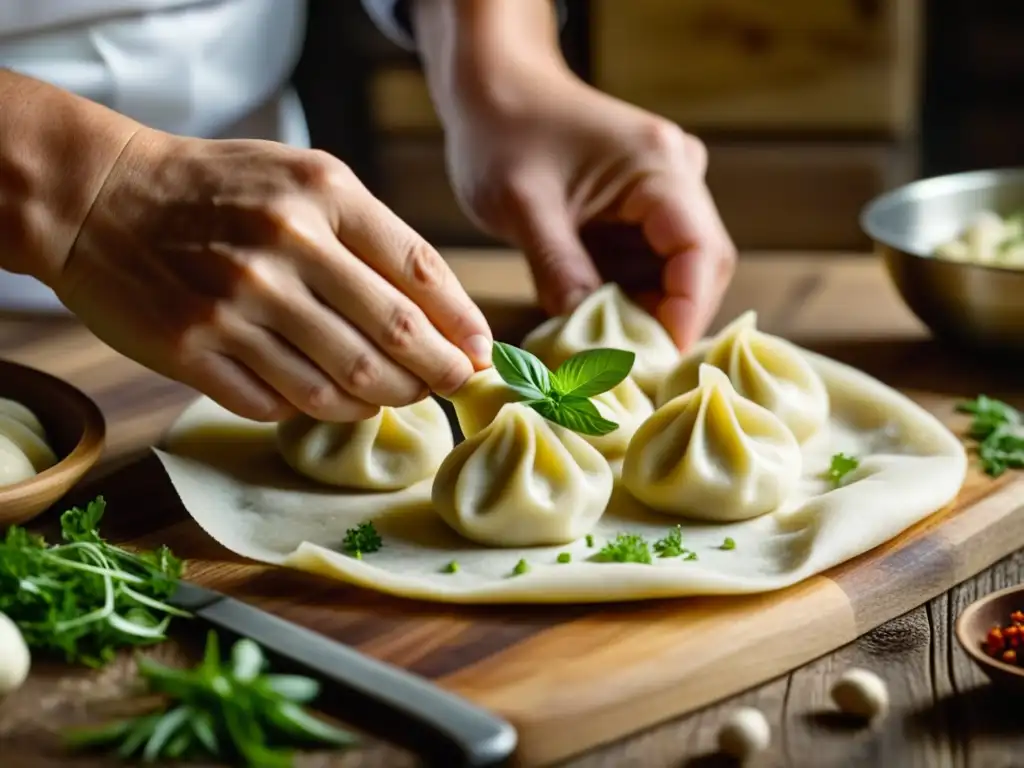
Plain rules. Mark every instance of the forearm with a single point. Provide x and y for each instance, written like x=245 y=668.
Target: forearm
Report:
x=55 y=152
x=477 y=52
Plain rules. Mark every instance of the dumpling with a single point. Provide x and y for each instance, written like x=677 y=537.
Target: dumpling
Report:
x=21 y=413
x=480 y=399
x=35 y=448
x=607 y=318
x=522 y=481
x=392 y=450
x=710 y=454
x=766 y=369
x=14 y=464
x=626 y=405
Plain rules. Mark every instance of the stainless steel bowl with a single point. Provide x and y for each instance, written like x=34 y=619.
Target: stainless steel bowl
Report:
x=978 y=306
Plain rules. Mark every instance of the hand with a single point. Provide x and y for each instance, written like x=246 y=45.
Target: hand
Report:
x=270 y=279
x=544 y=160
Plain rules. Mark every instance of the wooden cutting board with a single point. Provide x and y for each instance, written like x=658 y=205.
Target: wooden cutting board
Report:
x=572 y=677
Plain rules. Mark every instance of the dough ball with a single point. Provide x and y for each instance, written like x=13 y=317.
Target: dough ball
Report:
x=522 y=481
x=861 y=693
x=744 y=733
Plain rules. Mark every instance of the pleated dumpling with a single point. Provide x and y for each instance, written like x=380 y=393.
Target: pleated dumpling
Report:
x=480 y=399
x=766 y=369
x=394 y=449
x=522 y=481
x=607 y=318
x=711 y=454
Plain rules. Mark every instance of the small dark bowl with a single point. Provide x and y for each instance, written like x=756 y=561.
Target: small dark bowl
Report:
x=972 y=627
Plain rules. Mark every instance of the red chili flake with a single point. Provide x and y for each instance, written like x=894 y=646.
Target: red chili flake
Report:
x=995 y=643
x=1017 y=617
x=1010 y=657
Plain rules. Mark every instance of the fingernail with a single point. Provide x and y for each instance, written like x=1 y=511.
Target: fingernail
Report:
x=479 y=350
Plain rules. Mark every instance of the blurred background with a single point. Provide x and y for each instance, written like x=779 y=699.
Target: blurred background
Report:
x=809 y=108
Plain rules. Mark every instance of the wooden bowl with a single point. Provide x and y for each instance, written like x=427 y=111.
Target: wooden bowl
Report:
x=74 y=427
x=972 y=627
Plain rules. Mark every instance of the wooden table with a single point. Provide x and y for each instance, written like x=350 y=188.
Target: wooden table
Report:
x=943 y=713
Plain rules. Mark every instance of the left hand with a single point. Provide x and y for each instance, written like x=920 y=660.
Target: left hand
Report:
x=537 y=164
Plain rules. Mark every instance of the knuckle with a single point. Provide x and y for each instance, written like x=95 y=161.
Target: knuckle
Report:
x=317 y=398
x=267 y=410
x=312 y=169
x=402 y=331
x=662 y=137
x=451 y=377
x=423 y=267
x=695 y=152
x=363 y=374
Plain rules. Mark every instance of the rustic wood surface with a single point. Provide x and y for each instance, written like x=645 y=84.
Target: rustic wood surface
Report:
x=942 y=713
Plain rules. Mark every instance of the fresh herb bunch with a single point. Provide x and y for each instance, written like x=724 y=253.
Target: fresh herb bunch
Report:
x=626 y=548
x=227 y=712
x=84 y=599
x=997 y=428
x=839 y=467
x=563 y=395
x=672 y=544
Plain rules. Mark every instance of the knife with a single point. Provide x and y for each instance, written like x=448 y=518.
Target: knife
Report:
x=396 y=705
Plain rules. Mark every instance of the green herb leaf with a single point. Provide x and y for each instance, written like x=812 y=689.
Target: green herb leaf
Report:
x=729 y=543
x=521 y=370
x=671 y=545
x=997 y=427
x=521 y=567
x=84 y=598
x=690 y=556
x=452 y=567
x=626 y=548
x=564 y=557
x=362 y=538
x=576 y=413
x=592 y=372
x=590 y=539
x=840 y=466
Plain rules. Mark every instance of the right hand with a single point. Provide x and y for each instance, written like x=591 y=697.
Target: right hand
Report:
x=270 y=279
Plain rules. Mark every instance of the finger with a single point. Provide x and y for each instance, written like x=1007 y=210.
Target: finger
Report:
x=684 y=308
x=288 y=372
x=385 y=316
x=235 y=388
x=398 y=254
x=283 y=303
x=563 y=271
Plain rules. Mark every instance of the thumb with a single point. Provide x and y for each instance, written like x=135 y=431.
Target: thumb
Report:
x=563 y=271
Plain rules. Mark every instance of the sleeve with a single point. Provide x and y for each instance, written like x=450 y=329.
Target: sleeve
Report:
x=392 y=18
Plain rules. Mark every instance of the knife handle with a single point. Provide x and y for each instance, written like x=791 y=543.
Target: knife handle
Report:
x=391 y=703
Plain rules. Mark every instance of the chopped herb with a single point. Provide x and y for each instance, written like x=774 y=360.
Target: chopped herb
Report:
x=362 y=538
x=671 y=545
x=626 y=548
x=997 y=428
x=590 y=540
x=84 y=599
x=223 y=711
x=729 y=543
x=564 y=557
x=691 y=555
x=521 y=567
x=452 y=567
x=839 y=467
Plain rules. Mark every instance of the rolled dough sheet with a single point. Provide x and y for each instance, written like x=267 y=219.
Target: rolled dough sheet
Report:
x=230 y=478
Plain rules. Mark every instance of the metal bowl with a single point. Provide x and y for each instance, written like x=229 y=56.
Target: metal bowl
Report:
x=981 y=307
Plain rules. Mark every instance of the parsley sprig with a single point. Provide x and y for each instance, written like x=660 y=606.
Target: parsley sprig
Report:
x=626 y=548
x=839 y=467
x=563 y=395
x=84 y=599
x=362 y=538
x=226 y=712
x=997 y=428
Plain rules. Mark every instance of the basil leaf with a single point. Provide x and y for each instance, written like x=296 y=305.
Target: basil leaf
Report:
x=575 y=413
x=592 y=372
x=522 y=371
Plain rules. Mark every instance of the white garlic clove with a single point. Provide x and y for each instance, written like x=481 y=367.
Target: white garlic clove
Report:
x=861 y=693
x=744 y=733
x=14 y=657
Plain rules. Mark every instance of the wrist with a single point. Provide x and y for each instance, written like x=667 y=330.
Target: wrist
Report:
x=487 y=56
x=56 y=150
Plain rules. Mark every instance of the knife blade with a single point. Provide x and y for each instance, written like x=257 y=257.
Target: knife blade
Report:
x=382 y=699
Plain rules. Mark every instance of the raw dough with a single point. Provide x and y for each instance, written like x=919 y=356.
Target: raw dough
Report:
x=607 y=318
x=14 y=464
x=766 y=369
x=229 y=477
x=711 y=454
x=480 y=399
x=522 y=481
x=392 y=450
